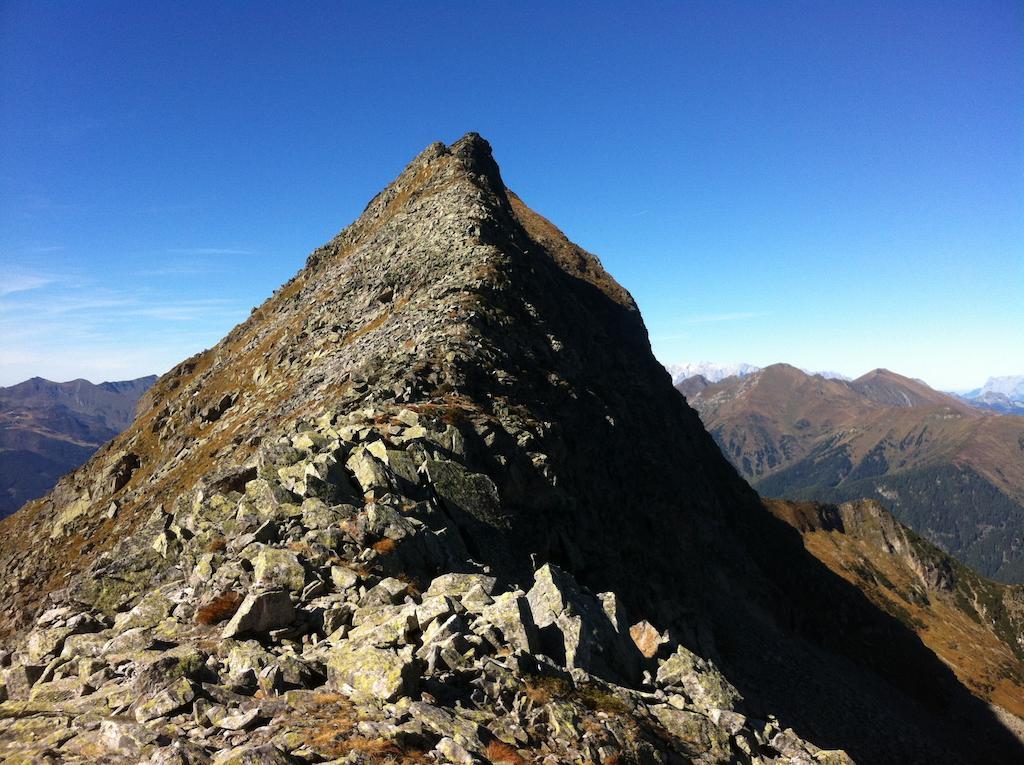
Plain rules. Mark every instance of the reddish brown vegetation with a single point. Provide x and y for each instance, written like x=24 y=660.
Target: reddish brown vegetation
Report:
x=500 y=753
x=220 y=608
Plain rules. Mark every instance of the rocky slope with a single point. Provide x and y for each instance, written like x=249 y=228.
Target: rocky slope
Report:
x=436 y=501
x=950 y=471
x=48 y=429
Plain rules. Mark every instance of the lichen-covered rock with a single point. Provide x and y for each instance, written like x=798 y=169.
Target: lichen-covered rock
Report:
x=169 y=699
x=700 y=680
x=274 y=568
x=574 y=628
x=369 y=673
x=473 y=494
x=702 y=741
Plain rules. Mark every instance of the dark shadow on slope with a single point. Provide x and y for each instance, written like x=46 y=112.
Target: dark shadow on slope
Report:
x=646 y=506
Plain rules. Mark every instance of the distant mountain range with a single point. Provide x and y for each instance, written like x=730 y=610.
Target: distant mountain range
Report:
x=950 y=470
x=49 y=428
x=1000 y=394
x=711 y=371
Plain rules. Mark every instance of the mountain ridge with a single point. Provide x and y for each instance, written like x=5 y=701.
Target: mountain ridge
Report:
x=884 y=436
x=450 y=388
x=49 y=428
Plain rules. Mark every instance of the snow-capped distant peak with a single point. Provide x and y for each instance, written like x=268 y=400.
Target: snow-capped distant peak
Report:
x=1012 y=387
x=710 y=370
x=829 y=375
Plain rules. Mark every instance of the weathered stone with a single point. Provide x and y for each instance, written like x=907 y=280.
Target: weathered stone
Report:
x=699 y=737
x=372 y=674
x=700 y=680
x=575 y=630
x=384 y=626
x=647 y=638
x=148 y=612
x=456 y=585
x=370 y=473
x=510 y=613
x=274 y=568
x=343 y=578
x=45 y=642
x=454 y=753
x=260 y=613
x=464 y=492
x=169 y=699
x=125 y=737
x=386 y=592
x=20 y=678
x=266 y=754
x=237 y=720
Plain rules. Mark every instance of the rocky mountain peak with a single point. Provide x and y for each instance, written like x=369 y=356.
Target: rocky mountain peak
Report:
x=439 y=484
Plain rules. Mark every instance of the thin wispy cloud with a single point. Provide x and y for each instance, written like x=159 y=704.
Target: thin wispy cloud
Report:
x=210 y=251
x=711 y=318
x=12 y=283
x=105 y=333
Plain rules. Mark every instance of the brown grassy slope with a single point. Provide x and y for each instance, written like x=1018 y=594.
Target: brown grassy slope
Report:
x=972 y=624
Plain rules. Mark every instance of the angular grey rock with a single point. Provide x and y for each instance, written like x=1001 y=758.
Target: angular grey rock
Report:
x=163 y=702
x=574 y=628
x=700 y=680
x=456 y=585
x=464 y=492
x=261 y=612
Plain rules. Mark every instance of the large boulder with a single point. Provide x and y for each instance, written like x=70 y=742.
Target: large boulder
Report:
x=368 y=673
x=169 y=699
x=575 y=629
x=260 y=613
x=274 y=568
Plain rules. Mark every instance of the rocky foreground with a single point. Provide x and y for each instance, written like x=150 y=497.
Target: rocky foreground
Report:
x=289 y=625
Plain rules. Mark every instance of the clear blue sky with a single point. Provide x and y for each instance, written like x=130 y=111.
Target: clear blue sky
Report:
x=838 y=185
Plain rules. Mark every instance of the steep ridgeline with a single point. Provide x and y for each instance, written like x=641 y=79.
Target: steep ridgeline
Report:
x=49 y=428
x=952 y=472
x=436 y=501
x=973 y=623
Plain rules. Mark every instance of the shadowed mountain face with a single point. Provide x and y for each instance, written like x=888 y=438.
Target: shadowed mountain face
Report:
x=546 y=433
x=48 y=429
x=952 y=472
x=974 y=624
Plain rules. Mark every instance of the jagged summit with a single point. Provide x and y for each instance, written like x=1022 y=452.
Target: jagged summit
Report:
x=451 y=386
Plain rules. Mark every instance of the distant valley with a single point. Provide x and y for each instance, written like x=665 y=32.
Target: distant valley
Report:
x=950 y=469
x=49 y=428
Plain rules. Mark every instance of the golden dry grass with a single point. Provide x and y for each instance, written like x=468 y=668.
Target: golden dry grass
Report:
x=500 y=753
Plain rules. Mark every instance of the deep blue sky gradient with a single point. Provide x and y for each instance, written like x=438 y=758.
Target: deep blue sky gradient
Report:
x=835 y=185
